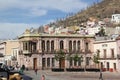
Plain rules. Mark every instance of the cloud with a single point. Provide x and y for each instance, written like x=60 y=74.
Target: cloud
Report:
x=36 y=12
x=40 y=8
x=12 y=30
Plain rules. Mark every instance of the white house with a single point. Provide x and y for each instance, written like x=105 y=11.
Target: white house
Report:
x=109 y=54
x=116 y=18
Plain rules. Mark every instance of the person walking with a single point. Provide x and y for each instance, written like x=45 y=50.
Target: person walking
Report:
x=43 y=77
x=36 y=71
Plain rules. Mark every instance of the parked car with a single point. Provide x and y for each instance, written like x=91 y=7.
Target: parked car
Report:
x=11 y=68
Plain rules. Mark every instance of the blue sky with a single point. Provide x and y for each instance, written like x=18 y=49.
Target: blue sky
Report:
x=18 y=15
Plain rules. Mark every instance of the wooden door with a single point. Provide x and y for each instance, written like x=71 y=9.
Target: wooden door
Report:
x=35 y=63
x=62 y=63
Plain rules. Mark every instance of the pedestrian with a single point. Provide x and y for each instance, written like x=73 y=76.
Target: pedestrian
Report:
x=43 y=77
x=36 y=71
x=100 y=78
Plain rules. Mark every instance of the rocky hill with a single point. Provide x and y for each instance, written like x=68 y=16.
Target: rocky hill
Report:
x=101 y=10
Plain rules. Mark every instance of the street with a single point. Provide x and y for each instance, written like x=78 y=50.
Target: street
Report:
x=49 y=75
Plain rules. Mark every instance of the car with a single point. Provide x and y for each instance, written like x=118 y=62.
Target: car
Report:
x=11 y=68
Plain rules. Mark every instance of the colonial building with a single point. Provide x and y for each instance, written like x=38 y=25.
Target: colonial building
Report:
x=38 y=50
x=109 y=53
x=9 y=49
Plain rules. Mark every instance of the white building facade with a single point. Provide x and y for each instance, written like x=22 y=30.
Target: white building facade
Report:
x=108 y=55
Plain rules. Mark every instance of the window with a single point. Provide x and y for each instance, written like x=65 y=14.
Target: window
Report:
x=79 y=62
x=102 y=65
x=43 y=46
x=61 y=45
x=52 y=45
x=70 y=46
x=43 y=62
x=24 y=45
x=86 y=46
x=34 y=46
x=78 y=45
x=114 y=64
x=48 y=46
x=112 y=53
x=53 y=62
x=105 y=52
x=48 y=62
x=74 y=46
x=87 y=60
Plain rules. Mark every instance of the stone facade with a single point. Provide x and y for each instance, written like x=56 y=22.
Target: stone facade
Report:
x=38 y=50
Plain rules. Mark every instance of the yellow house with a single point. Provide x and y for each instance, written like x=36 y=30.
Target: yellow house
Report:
x=10 y=49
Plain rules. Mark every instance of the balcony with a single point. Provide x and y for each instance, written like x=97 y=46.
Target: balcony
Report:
x=107 y=58
x=13 y=58
x=49 y=52
x=25 y=52
x=118 y=56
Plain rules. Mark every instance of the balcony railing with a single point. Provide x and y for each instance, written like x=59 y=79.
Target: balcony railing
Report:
x=108 y=58
x=28 y=52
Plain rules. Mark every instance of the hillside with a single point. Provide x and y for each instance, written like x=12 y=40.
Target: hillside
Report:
x=101 y=10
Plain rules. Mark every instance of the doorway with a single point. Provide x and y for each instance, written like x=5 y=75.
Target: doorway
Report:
x=35 y=63
x=108 y=66
x=62 y=63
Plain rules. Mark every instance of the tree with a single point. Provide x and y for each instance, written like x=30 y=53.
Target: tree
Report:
x=60 y=56
x=101 y=32
x=76 y=58
x=96 y=57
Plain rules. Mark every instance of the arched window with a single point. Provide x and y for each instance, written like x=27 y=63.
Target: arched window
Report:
x=48 y=46
x=43 y=45
x=78 y=45
x=52 y=45
x=86 y=46
x=48 y=62
x=61 y=45
x=74 y=46
x=70 y=46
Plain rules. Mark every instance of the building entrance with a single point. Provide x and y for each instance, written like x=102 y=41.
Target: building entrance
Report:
x=35 y=63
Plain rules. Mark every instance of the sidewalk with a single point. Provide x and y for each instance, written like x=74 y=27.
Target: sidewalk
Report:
x=49 y=75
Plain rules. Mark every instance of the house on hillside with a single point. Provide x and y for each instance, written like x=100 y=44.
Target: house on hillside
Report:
x=115 y=18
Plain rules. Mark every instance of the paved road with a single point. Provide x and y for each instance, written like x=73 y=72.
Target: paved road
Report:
x=72 y=75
